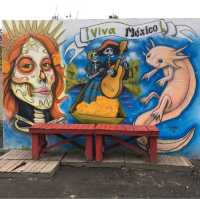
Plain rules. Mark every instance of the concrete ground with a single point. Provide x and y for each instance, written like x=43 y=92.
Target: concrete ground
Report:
x=83 y=182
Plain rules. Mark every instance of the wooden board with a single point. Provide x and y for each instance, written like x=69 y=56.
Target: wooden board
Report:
x=17 y=155
x=27 y=167
x=20 y=163
x=12 y=164
x=27 y=155
x=174 y=161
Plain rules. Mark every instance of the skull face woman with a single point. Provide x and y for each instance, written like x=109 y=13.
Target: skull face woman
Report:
x=33 y=82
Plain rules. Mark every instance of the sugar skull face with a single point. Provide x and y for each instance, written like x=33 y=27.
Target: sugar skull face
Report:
x=33 y=75
x=108 y=51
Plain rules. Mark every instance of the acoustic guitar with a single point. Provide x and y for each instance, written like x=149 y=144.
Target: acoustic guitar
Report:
x=111 y=86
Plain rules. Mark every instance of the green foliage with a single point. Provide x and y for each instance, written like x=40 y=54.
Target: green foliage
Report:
x=71 y=80
x=71 y=71
x=132 y=83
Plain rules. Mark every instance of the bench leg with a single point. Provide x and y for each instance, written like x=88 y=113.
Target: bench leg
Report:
x=99 y=147
x=36 y=148
x=89 y=147
x=43 y=142
x=153 y=149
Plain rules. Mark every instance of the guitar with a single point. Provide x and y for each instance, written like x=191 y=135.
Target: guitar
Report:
x=111 y=86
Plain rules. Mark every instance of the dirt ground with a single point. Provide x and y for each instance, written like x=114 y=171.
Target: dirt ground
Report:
x=82 y=182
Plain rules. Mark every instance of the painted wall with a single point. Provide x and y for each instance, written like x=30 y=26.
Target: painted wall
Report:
x=143 y=72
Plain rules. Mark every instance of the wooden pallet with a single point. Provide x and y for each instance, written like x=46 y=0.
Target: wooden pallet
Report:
x=19 y=163
x=27 y=167
x=27 y=155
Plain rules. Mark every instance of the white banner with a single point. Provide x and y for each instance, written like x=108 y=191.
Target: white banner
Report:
x=121 y=29
x=128 y=31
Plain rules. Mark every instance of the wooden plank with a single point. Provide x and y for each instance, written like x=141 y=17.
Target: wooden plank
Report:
x=32 y=166
x=27 y=155
x=139 y=129
x=123 y=129
x=22 y=168
x=20 y=154
x=17 y=155
x=174 y=161
x=110 y=127
x=128 y=133
x=3 y=156
x=186 y=162
x=29 y=166
x=9 y=155
x=10 y=165
x=120 y=127
x=12 y=155
x=3 y=162
x=43 y=168
x=37 y=168
x=7 y=165
x=40 y=128
x=16 y=165
x=50 y=166
x=63 y=131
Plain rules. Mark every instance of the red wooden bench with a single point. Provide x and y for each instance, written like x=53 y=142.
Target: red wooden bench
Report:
x=115 y=131
x=39 y=131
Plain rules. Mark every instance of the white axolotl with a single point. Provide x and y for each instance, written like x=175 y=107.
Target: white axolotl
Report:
x=180 y=87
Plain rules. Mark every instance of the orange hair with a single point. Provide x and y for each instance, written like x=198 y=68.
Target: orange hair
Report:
x=9 y=100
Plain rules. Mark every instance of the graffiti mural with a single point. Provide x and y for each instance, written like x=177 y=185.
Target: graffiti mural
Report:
x=140 y=72
x=33 y=76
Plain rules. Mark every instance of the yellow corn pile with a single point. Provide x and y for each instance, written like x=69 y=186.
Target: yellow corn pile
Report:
x=103 y=107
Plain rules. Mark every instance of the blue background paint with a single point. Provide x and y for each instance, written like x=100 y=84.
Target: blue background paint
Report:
x=131 y=106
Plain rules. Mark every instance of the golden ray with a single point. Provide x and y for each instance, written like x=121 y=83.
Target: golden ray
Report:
x=34 y=26
x=59 y=35
x=15 y=30
x=28 y=26
x=22 y=28
x=10 y=34
x=47 y=27
x=56 y=29
x=40 y=26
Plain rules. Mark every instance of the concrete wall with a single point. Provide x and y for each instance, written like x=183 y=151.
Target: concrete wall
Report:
x=160 y=60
